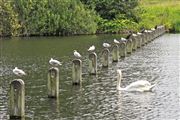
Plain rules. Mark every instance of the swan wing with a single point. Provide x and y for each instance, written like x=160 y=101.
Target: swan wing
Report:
x=138 y=84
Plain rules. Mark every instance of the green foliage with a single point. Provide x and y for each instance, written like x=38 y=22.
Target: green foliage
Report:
x=117 y=26
x=8 y=19
x=110 y=9
x=46 y=17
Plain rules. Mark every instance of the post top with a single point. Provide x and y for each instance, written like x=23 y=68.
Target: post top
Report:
x=17 y=81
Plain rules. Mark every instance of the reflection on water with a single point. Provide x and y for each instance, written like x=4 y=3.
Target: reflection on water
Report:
x=97 y=98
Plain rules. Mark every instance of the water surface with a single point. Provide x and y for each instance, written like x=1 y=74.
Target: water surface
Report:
x=97 y=98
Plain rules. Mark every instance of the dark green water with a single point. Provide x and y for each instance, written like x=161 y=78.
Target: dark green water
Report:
x=97 y=98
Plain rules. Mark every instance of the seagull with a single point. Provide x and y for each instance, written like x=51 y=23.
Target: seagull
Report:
x=54 y=62
x=123 y=39
x=139 y=33
x=139 y=86
x=153 y=29
x=145 y=31
x=18 y=72
x=106 y=45
x=134 y=34
x=76 y=54
x=116 y=41
x=92 y=48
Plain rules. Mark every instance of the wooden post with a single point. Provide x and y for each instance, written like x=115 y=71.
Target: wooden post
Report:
x=105 y=57
x=139 y=40
x=93 y=63
x=115 y=53
x=143 y=39
x=122 y=50
x=77 y=72
x=153 y=33
x=53 y=82
x=17 y=99
x=146 y=36
x=134 y=40
x=149 y=35
x=129 y=46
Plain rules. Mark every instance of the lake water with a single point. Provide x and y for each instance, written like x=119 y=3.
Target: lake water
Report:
x=97 y=98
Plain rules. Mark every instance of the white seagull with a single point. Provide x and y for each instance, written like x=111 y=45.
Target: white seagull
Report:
x=134 y=34
x=139 y=33
x=106 y=45
x=18 y=72
x=153 y=29
x=116 y=41
x=123 y=39
x=145 y=31
x=76 y=54
x=54 y=62
x=139 y=86
x=92 y=48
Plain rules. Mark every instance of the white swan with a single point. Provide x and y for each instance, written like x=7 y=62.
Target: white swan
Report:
x=18 y=72
x=106 y=45
x=92 y=48
x=116 y=41
x=76 y=54
x=54 y=62
x=140 y=86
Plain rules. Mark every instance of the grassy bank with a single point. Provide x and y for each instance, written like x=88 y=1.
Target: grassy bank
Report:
x=156 y=12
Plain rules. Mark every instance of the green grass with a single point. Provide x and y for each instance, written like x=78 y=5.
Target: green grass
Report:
x=156 y=12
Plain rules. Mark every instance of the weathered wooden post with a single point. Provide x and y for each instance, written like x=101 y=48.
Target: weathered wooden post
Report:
x=159 y=30
x=139 y=40
x=122 y=50
x=115 y=53
x=129 y=46
x=153 y=33
x=17 y=99
x=134 y=39
x=105 y=57
x=146 y=36
x=53 y=82
x=77 y=72
x=93 y=63
x=143 y=39
x=149 y=35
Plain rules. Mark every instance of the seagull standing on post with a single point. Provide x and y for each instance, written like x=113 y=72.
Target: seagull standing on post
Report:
x=123 y=39
x=18 y=72
x=76 y=54
x=106 y=45
x=116 y=41
x=91 y=49
x=54 y=62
